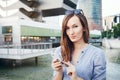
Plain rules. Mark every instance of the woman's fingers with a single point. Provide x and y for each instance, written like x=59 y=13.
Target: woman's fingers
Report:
x=70 y=68
x=67 y=64
x=58 y=68
x=57 y=65
x=70 y=73
x=55 y=60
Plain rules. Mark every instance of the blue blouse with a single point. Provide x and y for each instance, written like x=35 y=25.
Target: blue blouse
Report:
x=91 y=64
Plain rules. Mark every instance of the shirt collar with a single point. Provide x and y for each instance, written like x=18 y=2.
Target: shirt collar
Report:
x=85 y=48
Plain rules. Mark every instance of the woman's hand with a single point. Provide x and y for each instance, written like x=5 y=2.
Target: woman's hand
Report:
x=56 y=65
x=71 y=71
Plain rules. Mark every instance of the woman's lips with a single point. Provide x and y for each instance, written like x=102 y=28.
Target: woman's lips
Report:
x=72 y=37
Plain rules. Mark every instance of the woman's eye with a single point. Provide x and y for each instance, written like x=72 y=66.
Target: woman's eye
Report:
x=75 y=26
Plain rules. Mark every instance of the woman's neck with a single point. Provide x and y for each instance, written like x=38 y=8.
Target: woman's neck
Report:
x=79 y=45
x=77 y=51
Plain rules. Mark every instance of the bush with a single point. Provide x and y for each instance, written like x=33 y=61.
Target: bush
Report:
x=114 y=32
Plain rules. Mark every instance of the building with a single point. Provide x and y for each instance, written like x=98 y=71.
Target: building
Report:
x=93 y=11
x=17 y=31
x=110 y=21
x=35 y=9
x=21 y=20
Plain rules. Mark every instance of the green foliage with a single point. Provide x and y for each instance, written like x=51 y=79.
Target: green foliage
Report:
x=118 y=27
x=109 y=34
x=104 y=33
x=115 y=32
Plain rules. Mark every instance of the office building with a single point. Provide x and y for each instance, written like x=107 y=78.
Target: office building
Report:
x=93 y=11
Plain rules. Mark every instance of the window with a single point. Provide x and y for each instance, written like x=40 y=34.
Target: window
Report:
x=6 y=29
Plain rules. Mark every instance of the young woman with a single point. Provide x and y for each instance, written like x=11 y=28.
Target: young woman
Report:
x=75 y=59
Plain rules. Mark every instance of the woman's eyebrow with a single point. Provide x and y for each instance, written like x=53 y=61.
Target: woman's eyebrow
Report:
x=74 y=25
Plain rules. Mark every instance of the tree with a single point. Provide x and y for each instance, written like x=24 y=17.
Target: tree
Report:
x=115 y=31
x=104 y=33
x=109 y=33
x=118 y=27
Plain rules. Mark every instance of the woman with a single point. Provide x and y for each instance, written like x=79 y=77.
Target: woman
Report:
x=75 y=59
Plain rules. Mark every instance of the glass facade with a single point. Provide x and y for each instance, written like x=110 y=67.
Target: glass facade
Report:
x=6 y=29
x=93 y=11
x=30 y=34
x=8 y=38
x=96 y=11
x=7 y=32
x=34 y=34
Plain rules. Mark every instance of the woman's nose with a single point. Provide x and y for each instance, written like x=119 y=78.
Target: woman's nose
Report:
x=71 y=31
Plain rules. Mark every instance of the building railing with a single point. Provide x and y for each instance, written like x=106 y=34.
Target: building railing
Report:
x=31 y=48
x=40 y=45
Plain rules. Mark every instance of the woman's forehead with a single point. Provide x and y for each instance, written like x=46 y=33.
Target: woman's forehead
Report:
x=73 y=20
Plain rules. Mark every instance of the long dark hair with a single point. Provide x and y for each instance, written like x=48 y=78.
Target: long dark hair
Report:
x=66 y=44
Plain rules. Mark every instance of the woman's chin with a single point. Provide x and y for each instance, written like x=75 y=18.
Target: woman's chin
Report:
x=73 y=41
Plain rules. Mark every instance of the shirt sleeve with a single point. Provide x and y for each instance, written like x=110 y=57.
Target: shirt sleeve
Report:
x=57 y=53
x=99 y=71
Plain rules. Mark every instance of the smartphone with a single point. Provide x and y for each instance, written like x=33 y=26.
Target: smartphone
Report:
x=58 y=59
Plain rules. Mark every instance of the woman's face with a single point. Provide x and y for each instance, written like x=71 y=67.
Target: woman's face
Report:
x=74 y=29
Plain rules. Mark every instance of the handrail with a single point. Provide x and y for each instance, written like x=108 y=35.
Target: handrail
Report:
x=28 y=50
x=40 y=45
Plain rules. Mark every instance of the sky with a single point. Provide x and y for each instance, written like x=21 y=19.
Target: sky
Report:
x=110 y=7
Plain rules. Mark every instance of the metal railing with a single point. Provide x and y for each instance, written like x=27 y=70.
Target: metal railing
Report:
x=30 y=48
x=41 y=45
